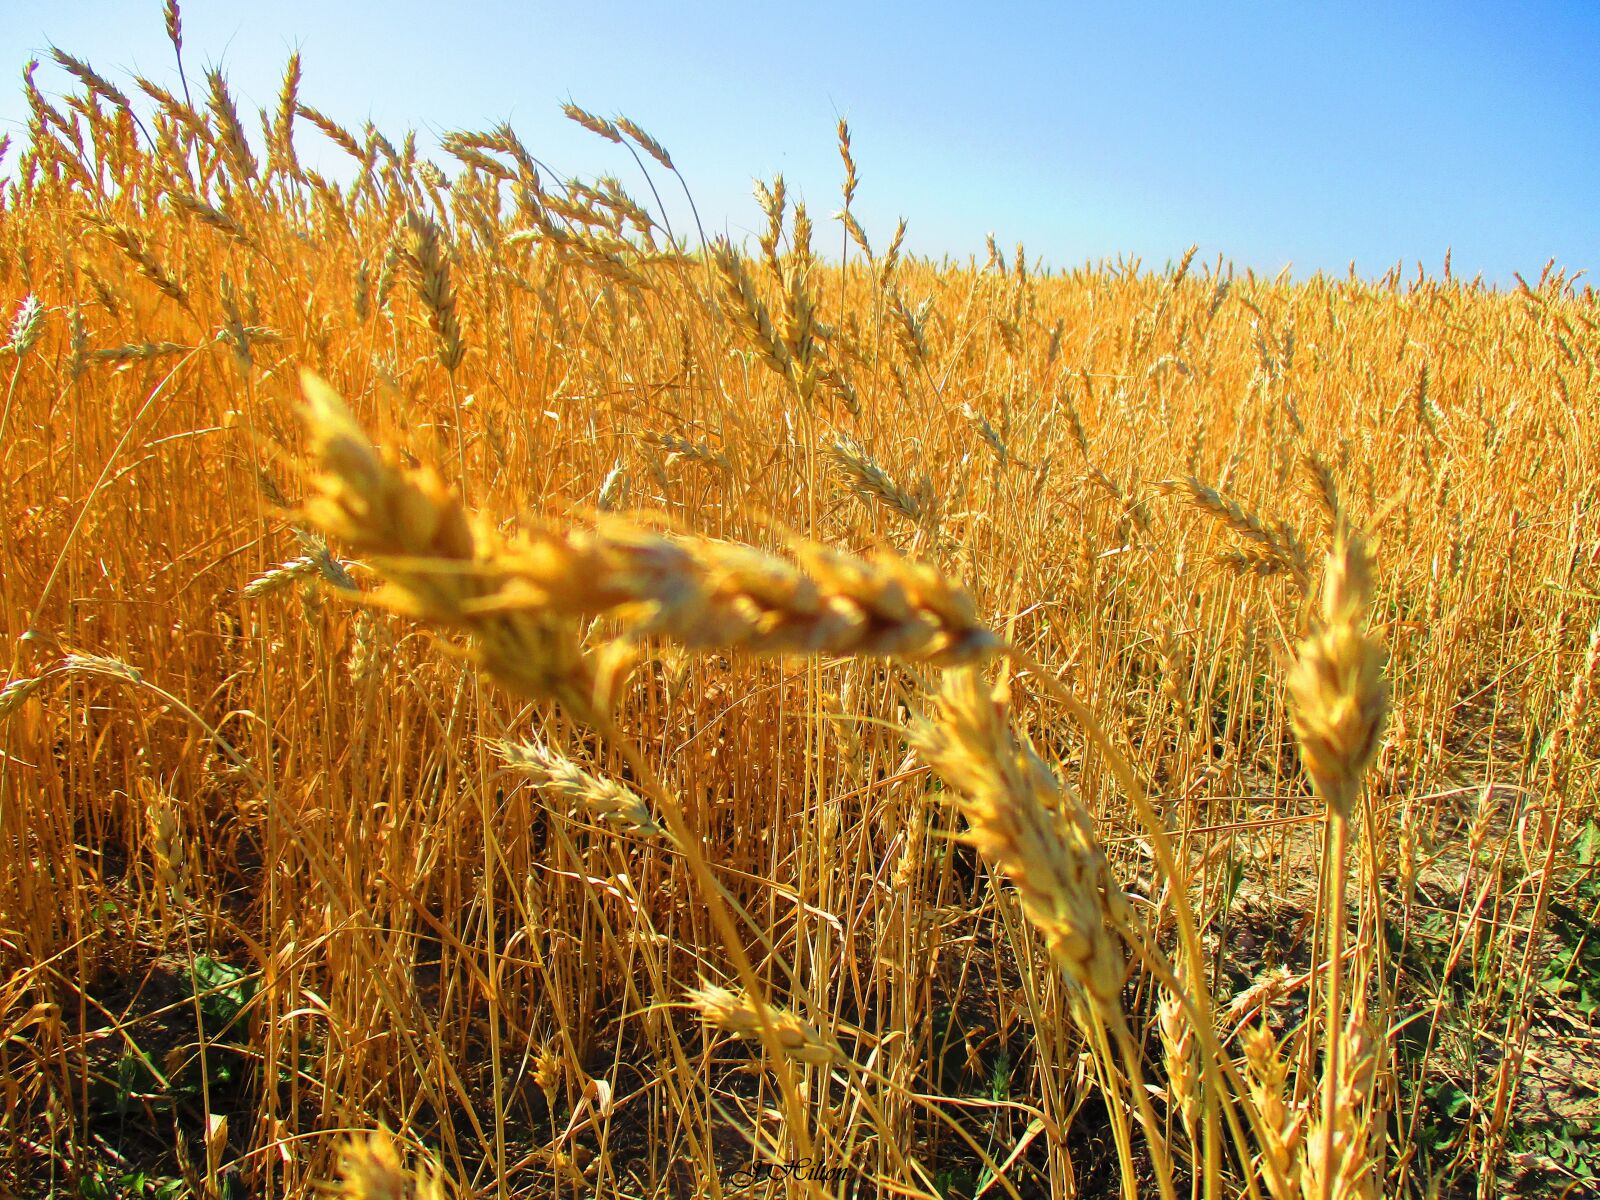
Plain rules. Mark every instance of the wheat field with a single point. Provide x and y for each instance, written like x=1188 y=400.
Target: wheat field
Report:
x=506 y=697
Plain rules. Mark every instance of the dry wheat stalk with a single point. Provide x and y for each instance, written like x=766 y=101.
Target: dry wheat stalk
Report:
x=18 y=691
x=1264 y=550
x=1323 y=486
x=362 y=665
x=206 y=214
x=681 y=448
x=168 y=849
x=747 y=309
x=704 y=593
x=1038 y=833
x=1338 y=1145
x=519 y=600
x=180 y=114
x=837 y=382
x=459 y=147
x=1281 y=1125
x=1339 y=704
x=800 y=234
x=646 y=143
x=276 y=579
x=87 y=76
x=613 y=492
x=174 y=25
x=26 y=326
x=422 y=251
x=891 y=256
x=1556 y=748
x=101 y=665
x=370 y=1168
x=868 y=479
x=132 y=244
x=850 y=180
x=142 y=352
x=990 y=435
x=773 y=200
x=332 y=130
x=799 y=320
x=236 y=148
x=596 y=125
x=1178 y=1056
x=281 y=156
x=853 y=228
x=909 y=329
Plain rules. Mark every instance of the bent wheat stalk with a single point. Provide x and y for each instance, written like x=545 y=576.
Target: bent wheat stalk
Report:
x=710 y=594
x=519 y=600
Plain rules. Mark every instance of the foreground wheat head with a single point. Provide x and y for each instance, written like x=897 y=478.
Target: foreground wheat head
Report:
x=1339 y=694
x=439 y=565
x=520 y=599
x=1033 y=830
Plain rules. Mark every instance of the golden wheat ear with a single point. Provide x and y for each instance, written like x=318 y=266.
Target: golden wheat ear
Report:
x=741 y=1014
x=437 y=563
x=1032 y=828
x=1340 y=698
x=371 y=1168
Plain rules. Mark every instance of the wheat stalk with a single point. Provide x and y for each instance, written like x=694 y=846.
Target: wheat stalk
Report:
x=1038 y=833
x=868 y=479
x=423 y=253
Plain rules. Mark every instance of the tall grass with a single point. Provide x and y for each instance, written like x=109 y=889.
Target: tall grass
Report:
x=624 y=713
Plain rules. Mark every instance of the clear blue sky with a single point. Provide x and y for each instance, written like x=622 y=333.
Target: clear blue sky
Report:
x=1270 y=133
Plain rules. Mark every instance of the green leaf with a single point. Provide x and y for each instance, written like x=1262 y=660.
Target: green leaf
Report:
x=1589 y=844
x=224 y=991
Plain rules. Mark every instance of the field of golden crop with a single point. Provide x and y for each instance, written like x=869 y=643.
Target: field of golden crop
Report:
x=505 y=698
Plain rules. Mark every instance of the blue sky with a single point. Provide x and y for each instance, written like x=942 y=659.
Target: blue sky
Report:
x=1272 y=134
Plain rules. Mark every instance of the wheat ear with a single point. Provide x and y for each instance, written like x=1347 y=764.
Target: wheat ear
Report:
x=434 y=557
